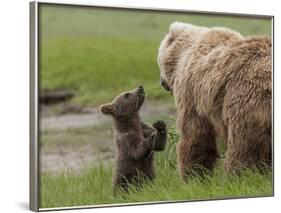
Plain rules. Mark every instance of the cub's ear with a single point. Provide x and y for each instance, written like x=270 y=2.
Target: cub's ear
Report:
x=108 y=109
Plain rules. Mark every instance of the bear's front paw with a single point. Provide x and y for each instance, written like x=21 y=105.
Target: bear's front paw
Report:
x=160 y=126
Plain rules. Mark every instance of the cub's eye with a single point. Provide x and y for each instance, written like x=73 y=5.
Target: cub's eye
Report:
x=126 y=95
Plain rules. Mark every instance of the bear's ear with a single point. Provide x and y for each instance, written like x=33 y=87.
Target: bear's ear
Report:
x=108 y=109
x=177 y=28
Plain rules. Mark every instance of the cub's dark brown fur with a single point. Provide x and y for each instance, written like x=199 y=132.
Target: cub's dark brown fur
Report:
x=136 y=141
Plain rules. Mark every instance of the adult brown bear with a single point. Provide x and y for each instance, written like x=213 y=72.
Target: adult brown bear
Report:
x=220 y=81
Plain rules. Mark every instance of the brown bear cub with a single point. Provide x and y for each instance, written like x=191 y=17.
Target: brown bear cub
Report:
x=136 y=141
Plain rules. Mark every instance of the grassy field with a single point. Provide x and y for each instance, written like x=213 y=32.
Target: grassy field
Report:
x=93 y=186
x=101 y=52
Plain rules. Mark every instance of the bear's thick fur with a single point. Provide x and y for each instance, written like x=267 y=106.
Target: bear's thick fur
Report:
x=220 y=81
x=136 y=141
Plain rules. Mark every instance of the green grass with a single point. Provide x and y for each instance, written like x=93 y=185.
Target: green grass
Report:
x=93 y=186
x=98 y=74
x=102 y=52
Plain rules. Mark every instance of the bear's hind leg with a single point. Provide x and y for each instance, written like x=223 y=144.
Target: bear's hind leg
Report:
x=197 y=152
x=248 y=147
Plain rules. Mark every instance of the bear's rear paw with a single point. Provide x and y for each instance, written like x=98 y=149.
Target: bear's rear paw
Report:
x=160 y=126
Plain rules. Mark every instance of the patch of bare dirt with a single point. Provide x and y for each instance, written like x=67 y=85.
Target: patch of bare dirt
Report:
x=67 y=159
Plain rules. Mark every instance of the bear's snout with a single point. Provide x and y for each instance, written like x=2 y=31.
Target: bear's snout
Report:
x=164 y=84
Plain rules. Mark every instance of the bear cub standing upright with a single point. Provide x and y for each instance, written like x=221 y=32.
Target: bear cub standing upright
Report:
x=136 y=141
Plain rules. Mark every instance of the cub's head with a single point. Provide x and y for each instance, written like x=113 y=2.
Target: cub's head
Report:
x=126 y=104
x=180 y=38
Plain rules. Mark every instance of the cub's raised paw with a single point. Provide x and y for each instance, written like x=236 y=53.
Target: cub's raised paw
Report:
x=150 y=140
x=160 y=125
x=151 y=137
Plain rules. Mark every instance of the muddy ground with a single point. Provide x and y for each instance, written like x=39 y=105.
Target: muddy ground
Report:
x=82 y=138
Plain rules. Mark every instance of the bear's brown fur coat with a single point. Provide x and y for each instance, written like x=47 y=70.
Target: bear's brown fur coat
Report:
x=136 y=141
x=220 y=81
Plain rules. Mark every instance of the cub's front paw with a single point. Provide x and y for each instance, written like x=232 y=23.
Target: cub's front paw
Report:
x=160 y=126
x=150 y=140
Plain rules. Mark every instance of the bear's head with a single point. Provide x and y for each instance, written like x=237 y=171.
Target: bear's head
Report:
x=126 y=104
x=180 y=38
